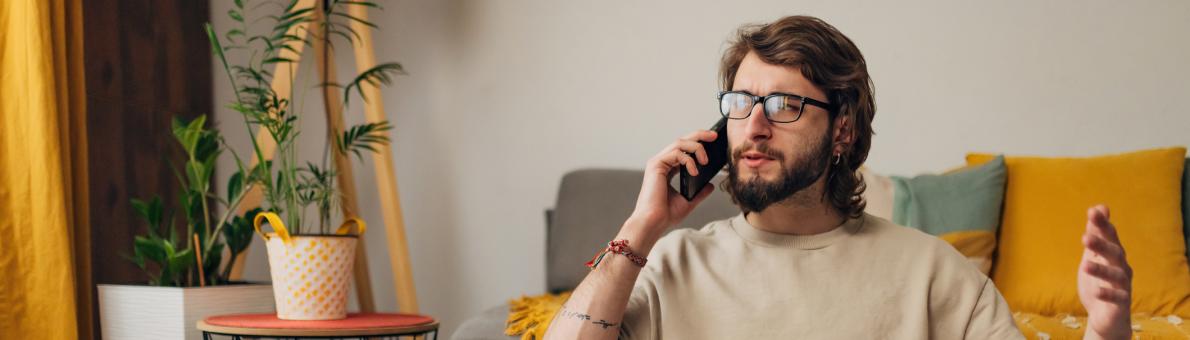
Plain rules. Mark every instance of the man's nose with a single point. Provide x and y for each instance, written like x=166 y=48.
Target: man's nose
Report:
x=757 y=127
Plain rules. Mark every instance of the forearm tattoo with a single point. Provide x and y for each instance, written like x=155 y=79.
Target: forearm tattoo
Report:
x=569 y=314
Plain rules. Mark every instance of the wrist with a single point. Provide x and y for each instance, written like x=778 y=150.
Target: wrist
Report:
x=1091 y=334
x=640 y=236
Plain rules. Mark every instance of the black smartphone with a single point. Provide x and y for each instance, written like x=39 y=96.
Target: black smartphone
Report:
x=689 y=186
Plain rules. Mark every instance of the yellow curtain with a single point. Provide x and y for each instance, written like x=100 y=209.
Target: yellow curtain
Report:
x=45 y=288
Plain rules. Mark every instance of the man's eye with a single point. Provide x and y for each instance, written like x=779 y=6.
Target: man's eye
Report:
x=787 y=104
x=740 y=103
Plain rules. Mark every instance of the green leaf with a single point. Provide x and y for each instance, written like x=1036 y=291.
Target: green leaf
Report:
x=179 y=263
x=150 y=248
x=238 y=232
x=210 y=262
x=191 y=203
x=382 y=73
x=275 y=60
x=208 y=167
x=233 y=33
x=207 y=148
x=296 y=14
x=235 y=184
x=149 y=211
x=195 y=172
x=188 y=134
x=363 y=137
x=346 y=37
x=361 y=21
x=235 y=15
x=216 y=49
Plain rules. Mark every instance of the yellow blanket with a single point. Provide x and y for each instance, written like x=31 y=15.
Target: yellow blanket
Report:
x=1060 y=327
x=529 y=316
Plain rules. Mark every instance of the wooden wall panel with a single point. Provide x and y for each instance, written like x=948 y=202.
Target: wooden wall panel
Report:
x=146 y=61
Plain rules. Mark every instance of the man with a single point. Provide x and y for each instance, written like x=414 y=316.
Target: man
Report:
x=803 y=260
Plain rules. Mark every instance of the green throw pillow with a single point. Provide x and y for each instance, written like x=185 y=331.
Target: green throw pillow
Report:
x=961 y=207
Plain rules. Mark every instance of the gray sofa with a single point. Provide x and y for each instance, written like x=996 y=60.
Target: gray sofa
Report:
x=592 y=204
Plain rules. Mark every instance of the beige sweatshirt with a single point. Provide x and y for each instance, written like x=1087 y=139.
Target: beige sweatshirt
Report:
x=867 y=279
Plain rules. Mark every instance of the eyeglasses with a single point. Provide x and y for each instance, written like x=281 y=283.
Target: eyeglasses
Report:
x=778 y=107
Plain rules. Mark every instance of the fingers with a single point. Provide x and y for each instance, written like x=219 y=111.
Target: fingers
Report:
x=1112 y=252
x=1098 y=223
x=1115 y=276
x=670 y=159
x=701 y=135
x=686 y=151
x=694 y=147
x=1102 y=208
x=676 y=158
x=1114 y=295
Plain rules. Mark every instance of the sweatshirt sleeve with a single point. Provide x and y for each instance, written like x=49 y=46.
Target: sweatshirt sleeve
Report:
x=638 y=317
x=991 y=318
x=642 y=317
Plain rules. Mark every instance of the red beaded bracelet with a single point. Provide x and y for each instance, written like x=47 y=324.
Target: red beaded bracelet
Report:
x=617 y=247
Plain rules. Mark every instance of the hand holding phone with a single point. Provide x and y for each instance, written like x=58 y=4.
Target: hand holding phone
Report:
x=689 y=186
x=657 y=208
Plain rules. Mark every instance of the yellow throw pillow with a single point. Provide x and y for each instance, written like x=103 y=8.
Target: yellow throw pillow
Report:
x=1044 y=218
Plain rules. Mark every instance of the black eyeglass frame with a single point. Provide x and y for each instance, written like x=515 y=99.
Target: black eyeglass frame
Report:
x=761 y=99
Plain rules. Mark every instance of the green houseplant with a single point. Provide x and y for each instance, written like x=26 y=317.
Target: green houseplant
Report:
x=309 y=262
x=172 y=261
x=188 y=276
x=291 y=187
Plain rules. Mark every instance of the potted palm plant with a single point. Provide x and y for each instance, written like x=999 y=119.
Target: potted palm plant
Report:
x=188 y=277
x=310 y=260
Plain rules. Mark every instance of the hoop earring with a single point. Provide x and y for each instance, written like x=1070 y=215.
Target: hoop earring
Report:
x=838 y=157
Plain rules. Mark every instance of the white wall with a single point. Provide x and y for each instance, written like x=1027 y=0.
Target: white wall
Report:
x=503 y=97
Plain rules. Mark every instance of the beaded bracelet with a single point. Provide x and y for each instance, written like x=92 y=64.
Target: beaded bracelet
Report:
x=616 y=247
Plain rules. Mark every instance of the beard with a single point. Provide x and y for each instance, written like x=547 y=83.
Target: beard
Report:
x=756 y=194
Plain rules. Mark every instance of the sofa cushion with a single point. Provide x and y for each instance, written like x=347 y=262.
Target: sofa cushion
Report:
x=1045 y=216
x=961 y=206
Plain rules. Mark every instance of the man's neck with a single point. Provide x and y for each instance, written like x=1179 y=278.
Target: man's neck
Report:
x=804 y=213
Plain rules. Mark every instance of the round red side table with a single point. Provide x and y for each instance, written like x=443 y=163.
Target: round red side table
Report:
x=355 y=326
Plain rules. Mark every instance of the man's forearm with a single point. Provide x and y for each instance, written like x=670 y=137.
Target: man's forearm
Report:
x=596 y=308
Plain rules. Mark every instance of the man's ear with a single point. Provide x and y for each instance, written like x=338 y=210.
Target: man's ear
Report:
x=844 y=135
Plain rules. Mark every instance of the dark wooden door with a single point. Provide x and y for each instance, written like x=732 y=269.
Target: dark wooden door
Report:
x=146 y=61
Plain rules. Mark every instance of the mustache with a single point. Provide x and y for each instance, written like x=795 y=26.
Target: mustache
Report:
x=763 y=148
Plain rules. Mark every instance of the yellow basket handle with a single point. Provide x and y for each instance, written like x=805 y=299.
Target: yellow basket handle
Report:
x=346 y=227
x=275 y=222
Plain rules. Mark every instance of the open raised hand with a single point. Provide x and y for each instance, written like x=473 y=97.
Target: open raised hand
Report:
x=1104 y=279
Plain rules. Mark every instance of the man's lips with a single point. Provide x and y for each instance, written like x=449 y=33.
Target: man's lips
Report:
x=754 y=159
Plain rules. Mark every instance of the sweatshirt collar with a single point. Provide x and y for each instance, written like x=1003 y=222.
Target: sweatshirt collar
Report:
x=805 y=242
